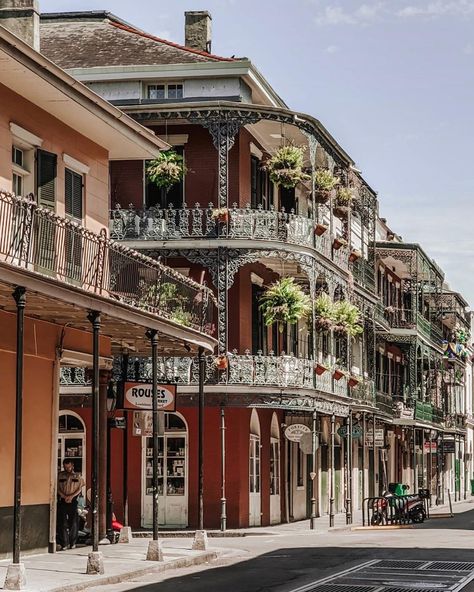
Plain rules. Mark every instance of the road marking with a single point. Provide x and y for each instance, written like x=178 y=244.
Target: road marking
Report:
x=333 y=577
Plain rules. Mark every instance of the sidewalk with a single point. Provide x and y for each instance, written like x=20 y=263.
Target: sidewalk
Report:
x=65 y=571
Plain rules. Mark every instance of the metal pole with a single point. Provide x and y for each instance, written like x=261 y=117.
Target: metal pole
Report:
x=313 y=474
x=152 y=335
x=422 y=458
x=94 y=318
x=414 y=459
x=430 y=468
x=223 y=498
x=364 y=444
x=109 y=484
x=349 y=470
x=374 y=455
x=125 y=359
x=202 y=371
x=20 y=298
x=125 y=470
x=332 y=476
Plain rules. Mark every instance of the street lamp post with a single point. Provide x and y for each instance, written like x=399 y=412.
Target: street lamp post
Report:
x=313 y=472
x=200 y=539
x=155 y=552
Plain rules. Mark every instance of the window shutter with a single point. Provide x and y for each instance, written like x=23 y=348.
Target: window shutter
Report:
x=73 y=194
x=46 y=172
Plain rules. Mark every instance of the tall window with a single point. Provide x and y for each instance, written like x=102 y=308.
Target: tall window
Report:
x=254 y=464
x=275 y=467
x=261 y=188
x=18 y=170
x=259 y=329
x=74 y=188
x=300 y=458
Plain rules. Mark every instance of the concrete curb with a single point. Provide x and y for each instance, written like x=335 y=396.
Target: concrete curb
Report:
x=189 y=534
x=130 y=575
x=385 y=527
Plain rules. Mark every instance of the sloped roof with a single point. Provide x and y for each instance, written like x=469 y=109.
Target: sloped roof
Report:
x=99 y=38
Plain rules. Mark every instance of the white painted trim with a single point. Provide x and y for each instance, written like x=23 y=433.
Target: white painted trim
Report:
x=74 y=358
x=256 y=151
x=175 y=139
x=75 y=165
x=20 y=133
x=256 y=279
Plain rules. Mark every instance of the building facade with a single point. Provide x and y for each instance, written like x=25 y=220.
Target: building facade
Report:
x=61 y=277
x=392 y=388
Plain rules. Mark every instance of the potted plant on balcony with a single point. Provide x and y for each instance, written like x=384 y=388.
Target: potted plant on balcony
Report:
x=337 y=373
x=323 y=310
x=320 y=229
x=347 y=318
x=338 y=243
x=220 y=214
x=286 y=166
x=324 y=183
x=344 y=198
x=354 y=255
x=320 y=369
x=284 y=302
x=167 y=169
x=353 y=381
x=221 y=362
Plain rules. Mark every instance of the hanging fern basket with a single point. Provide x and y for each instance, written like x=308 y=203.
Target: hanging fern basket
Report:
x=166 y=170
x=284 y=302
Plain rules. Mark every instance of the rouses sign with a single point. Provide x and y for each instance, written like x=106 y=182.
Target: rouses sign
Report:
x=295 y=431
x=137 y=395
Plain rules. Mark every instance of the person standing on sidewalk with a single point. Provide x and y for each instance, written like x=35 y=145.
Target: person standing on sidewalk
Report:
x=70 y=484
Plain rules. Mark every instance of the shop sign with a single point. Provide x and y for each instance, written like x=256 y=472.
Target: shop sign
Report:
x=357 y=431
x=448 y=446
x=295 y=431
x=431 y=447
x=139 y=395
x=143 y=423
x=379 y=437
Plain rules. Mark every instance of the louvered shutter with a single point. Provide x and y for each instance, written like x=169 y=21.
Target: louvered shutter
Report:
x=73 y=194
x=46 y=172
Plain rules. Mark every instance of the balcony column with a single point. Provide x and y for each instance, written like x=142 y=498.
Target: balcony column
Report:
x=222 y=300
x=200 y=537
x=349 y=468
x=223 y=459
x=15 y=577
x=95 y=561
x=332 y=473
x=313 y=471
x=223 y=132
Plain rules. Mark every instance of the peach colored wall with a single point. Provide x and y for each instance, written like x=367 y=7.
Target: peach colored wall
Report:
x=41 y=340
x=57 y=138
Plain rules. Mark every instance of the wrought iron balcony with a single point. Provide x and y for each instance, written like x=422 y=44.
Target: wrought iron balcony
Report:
x=364 y=393
x=428 y=412
x=282 y=372
x=155 y=224
x=384 y=402
x=73 y=376
x=402 y=318
x=36 y=239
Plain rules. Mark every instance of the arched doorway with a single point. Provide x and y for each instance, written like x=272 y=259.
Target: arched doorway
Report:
x=172 y=474
x=275 y=506
x=72 y=441
x=255 y=503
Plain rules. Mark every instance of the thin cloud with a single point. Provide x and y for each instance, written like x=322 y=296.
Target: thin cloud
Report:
x=438 y=8
x=332 y=49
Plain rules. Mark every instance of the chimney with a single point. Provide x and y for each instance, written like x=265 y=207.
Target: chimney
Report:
x=21 y=17
x=198 y=32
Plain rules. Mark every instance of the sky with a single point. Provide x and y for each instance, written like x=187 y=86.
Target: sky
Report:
x=392 y=80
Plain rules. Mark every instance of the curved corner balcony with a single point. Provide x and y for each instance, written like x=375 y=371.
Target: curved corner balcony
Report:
x=198 y=223
x=280 y=372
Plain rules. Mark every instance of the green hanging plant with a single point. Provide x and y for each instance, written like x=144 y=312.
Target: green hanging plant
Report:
x=347 y=318
x=284 y=302
x=167 y=169
x=286 y=166
x=323 y=310
x=345 y=195
x=324 y=180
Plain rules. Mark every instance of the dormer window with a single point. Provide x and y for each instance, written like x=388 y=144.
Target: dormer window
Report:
x=165 y=91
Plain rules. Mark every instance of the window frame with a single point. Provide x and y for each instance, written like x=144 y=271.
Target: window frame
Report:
x=166 y=90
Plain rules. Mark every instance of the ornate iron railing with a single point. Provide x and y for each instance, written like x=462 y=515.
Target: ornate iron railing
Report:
x=156 y=224
x=428 y=412
x=36 y=239
x=73 y=376
x=384 y=402
x=283 y=371
x=364 y=392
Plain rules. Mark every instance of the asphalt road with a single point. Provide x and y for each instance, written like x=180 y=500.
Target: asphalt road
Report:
x=288 y=560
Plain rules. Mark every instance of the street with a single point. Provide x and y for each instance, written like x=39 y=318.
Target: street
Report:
x=437 y=555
